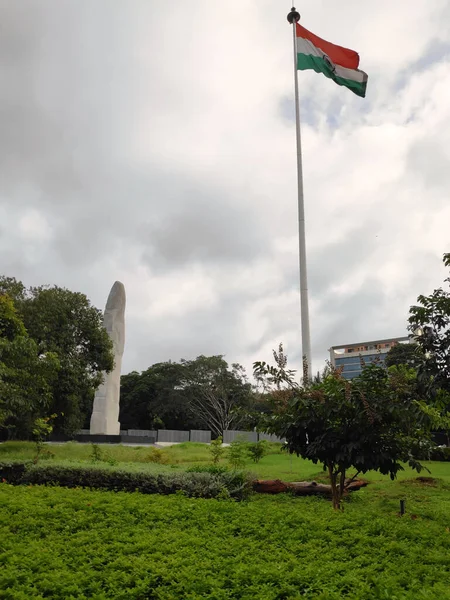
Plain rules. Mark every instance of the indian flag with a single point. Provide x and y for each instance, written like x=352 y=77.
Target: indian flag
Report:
x=337 y=63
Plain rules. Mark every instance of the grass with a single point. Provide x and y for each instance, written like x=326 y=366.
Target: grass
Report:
x=276 y=465
x=76 y=544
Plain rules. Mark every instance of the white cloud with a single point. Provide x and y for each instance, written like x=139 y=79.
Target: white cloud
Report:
x=152 y=143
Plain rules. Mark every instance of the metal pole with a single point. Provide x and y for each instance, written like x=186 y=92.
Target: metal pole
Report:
x=293 y=18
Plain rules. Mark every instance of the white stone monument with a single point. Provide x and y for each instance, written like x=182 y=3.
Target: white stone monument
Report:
x=105 y=412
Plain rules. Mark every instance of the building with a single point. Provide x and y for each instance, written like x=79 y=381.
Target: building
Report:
x=351 y=356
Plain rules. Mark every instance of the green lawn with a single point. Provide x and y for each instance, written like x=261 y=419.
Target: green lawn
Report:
x=276 y=465
x=74 y=543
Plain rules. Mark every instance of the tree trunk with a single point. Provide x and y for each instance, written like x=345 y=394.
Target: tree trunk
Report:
x=301 y=488
x=335 y=492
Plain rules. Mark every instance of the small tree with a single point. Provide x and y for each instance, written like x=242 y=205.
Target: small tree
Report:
x=237 y=453
x=370 y=423
x=42 y=428
x=257 y=450
x=217 y=450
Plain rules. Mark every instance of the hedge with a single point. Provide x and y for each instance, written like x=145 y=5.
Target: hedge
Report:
x=233 y=484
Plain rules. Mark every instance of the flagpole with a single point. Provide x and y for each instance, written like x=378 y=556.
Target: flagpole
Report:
x=293 y=18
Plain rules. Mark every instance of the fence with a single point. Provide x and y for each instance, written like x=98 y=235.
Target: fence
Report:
x=175 y=436
x=230 y=435
x=200 y=436
x=144 y=433
x=172 y=435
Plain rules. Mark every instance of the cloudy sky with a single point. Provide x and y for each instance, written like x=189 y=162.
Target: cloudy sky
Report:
x=154 y=143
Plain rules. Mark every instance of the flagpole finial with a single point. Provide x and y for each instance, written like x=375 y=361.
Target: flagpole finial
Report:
x=293 y=16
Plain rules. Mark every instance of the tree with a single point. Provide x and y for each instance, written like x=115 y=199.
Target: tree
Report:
x=11 y=324
x=215 y=393
x=26 y=376
x=372 y=422
x=404 y=354
x=154 y=399
x=65 y=323
x=195 y=394
x=429 y=321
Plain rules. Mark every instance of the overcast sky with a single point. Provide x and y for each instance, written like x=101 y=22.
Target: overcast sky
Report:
x=153 y=142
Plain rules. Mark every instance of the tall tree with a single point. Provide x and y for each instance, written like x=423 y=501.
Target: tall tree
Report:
x=410 y=355
x=66 y=324
x=26 y=377
x=216 y=393
x=429 y=321
x=155 y=399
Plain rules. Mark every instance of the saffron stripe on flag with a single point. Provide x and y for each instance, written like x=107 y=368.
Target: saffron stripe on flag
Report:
x=337 y=54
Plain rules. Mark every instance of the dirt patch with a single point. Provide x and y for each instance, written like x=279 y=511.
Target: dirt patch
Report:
x=427 y=480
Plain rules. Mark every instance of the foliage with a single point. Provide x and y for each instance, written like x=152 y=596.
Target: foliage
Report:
x=214 y=469
x=154 y=399
x=237 y=453
x=193 y=394
x=42 y=428
x=26 y=376
x=429 y=321
x=76 y=543
x=11 y=325
x=215 y=393
x=96 y=453
x=196 y=485
x=156 y=455
x=257 y=450
x=440 y=453
x=370 y=423
x=217 y=450
x=65 y=325
x=409 y=355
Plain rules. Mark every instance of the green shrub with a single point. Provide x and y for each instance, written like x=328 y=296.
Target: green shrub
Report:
x=195 y=485
x=156 y=455
x=12 y=472
x=213 y=469
x=217 y=450
x=96 y=453
x=257 y=450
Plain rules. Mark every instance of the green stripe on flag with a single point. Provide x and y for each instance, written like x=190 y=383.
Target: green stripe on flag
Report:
x=320 y=65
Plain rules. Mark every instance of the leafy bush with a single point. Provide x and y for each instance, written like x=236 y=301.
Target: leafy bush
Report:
x=257 y=450
x=12 y=472
x=216 y=449
x=196 y=485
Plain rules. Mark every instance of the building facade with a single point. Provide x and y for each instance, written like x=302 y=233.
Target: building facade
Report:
x=352 y=357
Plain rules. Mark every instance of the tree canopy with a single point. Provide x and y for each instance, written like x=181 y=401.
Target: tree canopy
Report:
x=409 y=355
x=203 y=393
x=429 y=322
x=26 y=376
x=64 y=324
